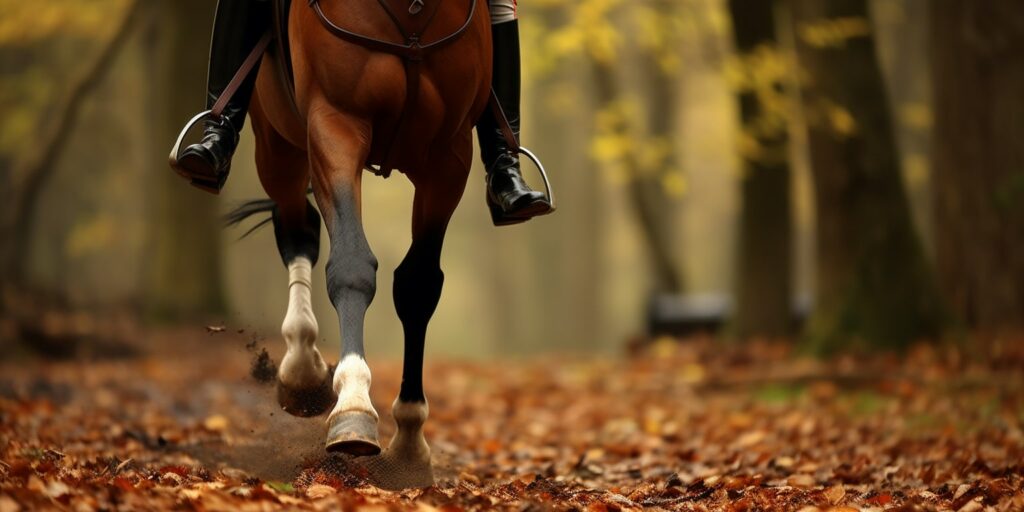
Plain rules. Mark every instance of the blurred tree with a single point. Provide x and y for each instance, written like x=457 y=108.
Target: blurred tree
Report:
x=763 y=274
x=653 y=189
x=978 y=157
x=874 y=285
x=644 y=158
x=46 y=88
x=25 y=176
x=901 y=34
x=184 y=274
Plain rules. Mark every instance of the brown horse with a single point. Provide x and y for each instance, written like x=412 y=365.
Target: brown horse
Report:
x=345 y=114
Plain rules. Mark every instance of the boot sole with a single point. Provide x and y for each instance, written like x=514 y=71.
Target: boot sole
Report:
x=198 y=173
x=522 y=214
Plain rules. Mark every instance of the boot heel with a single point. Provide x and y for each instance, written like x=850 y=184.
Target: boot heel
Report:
x=498 y=216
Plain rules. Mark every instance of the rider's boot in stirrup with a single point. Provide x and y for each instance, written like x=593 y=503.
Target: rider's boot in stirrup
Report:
x=238 y=26
x=509 y=198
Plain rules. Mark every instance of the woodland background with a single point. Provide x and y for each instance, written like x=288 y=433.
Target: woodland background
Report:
x=847 y=173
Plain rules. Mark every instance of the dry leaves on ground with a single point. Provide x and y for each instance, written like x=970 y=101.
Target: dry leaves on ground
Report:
x=679 y=426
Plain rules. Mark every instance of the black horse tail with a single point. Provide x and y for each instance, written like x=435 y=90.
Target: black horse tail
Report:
x=249 y=209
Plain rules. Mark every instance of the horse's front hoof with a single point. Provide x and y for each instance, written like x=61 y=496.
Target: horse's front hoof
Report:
x=353 y=433
x=394 y=471
x=309 y=402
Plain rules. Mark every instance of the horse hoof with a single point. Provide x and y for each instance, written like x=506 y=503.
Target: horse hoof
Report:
x=306 y=403
x=353 y=433
x=394 y=472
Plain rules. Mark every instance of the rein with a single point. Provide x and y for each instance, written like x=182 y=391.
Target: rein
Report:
x=412 y=53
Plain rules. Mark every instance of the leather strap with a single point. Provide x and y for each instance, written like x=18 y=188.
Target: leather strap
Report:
x=412 y=47
x=236 y=81
x=503 y=124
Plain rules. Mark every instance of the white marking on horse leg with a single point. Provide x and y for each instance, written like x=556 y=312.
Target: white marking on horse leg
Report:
x=409 y=444
x=302 y=366
x=352 y=384
x=405 y=464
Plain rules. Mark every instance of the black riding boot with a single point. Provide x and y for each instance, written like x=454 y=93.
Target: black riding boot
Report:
x=238 y=26
x=509 y=198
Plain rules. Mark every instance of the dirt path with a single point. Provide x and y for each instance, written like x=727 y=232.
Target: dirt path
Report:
x=681 y=427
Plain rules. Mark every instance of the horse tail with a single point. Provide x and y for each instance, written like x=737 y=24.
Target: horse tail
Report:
x=248 y=209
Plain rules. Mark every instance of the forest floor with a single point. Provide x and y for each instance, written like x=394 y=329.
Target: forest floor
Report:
x=676 y=426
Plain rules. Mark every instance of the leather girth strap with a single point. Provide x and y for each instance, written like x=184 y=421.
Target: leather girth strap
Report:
x=411 y=53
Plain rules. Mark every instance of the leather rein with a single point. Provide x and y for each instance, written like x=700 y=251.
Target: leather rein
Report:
x=412 y=54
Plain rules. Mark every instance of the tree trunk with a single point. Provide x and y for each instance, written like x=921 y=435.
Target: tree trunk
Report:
x=874 y=286
x=655 y=207
x=184 y=274
x=763 y=275
x=978 y=157
x=24 y=180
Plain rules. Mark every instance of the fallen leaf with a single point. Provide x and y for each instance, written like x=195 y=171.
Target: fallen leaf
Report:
x=835 y=494
x=961 y=490
x=56 y=489
x=801 y=480
x=972 y=506
x=216 y=423
x=317 y=491
x=7 y=504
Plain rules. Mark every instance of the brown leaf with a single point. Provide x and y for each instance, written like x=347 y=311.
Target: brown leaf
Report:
x=7 y=504
x=835 y=494
x=801 y=480
x=317 y=491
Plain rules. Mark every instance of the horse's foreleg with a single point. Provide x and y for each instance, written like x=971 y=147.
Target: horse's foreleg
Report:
x=417 y=290
x=338 y=149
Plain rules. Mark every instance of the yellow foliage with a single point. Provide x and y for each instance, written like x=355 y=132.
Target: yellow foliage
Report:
x=54 y=39
x=624 y=156
x=841 y=120
x=26 y=21
x=91 y=236
x=916 y=115
x=764 y=73
x=834 y=32
x=675 y=185
x=916 y=170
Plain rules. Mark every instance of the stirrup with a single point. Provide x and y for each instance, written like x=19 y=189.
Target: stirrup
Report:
x=208 y=183
x=172 y=159
x=548 y=192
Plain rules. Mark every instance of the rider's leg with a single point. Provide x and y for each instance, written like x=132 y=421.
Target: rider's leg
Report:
x=238 y=26
x=510 y=199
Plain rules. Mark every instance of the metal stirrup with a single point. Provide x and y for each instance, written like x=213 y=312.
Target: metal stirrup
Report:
x=172 y=159
x=543 y=174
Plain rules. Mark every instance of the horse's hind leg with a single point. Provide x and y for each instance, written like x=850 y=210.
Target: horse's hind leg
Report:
x=417 y=290
x=303 y=380
x=338 y=150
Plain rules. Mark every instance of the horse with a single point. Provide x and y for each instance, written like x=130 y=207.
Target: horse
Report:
x=349 y=106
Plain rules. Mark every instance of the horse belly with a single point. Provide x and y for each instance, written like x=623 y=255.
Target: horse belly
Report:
x=276 y=103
